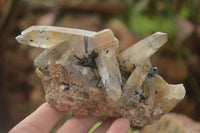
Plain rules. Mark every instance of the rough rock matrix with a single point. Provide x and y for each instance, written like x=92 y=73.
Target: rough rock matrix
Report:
x=83 y=73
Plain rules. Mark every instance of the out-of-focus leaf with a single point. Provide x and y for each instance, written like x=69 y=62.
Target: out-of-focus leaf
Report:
x=185 y=12
x=145 y=25
x=140 y=6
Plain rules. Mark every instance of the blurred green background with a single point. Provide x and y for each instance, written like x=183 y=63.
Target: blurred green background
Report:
x=131 y=20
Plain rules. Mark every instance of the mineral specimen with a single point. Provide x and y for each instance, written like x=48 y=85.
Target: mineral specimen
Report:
x=83 y=73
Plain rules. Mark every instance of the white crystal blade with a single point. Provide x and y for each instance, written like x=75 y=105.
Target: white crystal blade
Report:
x=141 y=50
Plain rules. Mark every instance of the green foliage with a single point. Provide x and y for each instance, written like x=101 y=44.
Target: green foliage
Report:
x=134 y=131
x=146 y=25
x=61 y=122
x=95 y=126
x=65 y=118
x=53 y=131
x=98 y=124
x=146 y=17
x=185 y=12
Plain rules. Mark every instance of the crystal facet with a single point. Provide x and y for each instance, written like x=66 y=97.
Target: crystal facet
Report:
x=83 y=73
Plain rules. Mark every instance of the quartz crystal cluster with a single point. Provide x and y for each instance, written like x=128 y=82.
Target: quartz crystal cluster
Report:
x=83 y=73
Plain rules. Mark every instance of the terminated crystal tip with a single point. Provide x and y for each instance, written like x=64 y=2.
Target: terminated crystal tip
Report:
x=83 y=73
x=20 y=39
x=142 y=50
x=160 y=33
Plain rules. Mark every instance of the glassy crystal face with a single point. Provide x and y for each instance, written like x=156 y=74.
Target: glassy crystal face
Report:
x=83 y=73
